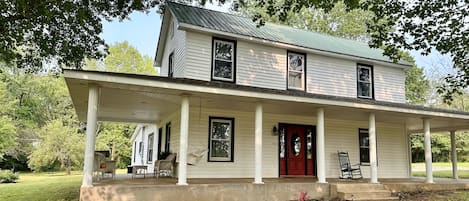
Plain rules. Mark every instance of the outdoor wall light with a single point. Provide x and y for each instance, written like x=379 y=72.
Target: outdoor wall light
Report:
x=274 y=130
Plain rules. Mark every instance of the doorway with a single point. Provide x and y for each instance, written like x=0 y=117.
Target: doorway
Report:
x=297 y=150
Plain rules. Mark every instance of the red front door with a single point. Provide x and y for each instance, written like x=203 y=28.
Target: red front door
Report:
x=296 y=156
x=297 y=143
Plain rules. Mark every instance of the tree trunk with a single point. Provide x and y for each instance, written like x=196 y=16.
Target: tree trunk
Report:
x=69 y=167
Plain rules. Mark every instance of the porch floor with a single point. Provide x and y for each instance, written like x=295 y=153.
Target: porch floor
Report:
x=126 y=179
x=124 y=188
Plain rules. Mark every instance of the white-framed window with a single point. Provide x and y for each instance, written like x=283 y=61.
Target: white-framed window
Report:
x=150 y=148
x=296 y=70
x=221 y=139
x=223 y=63
x=140 y=150
x=364 y=81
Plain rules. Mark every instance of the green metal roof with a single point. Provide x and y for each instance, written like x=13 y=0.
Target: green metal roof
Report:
x=234 y=24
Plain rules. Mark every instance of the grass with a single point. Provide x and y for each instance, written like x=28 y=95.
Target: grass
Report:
x=456 y=196
x=442 y=164
x=463 y=174
x=45 y=186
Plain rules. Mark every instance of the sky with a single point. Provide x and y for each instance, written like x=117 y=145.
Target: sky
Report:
x=142 y=31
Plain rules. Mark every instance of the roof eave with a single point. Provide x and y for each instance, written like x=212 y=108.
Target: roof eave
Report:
x=162 y=38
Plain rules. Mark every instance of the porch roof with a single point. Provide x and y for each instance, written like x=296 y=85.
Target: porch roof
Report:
x=146 y=99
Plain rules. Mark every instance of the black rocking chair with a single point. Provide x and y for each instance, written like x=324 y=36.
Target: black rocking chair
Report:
x=347 y=170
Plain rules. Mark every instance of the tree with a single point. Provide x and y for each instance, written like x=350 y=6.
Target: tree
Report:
x=59 y=144
x=7 y=135
x=116 y=136
x=338 y=21
x=30 y=101
x=63 y=31
x=397 y=25
x=123 y=58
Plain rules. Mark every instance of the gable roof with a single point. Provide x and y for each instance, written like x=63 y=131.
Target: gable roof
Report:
x=239 y=25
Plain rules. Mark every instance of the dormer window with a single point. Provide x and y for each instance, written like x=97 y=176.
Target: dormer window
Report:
x=364 y=81
x=223 y=63
x=296 y=70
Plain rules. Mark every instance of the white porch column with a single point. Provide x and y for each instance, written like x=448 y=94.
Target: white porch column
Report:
x=320 y=150
x=258 y=146
x=372 y=143
x=454 y=157
x=428 y=151
x=91 y=123
x=184 y=133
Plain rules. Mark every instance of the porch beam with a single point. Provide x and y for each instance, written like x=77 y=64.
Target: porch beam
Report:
x=372 y=143
x=184 y=133
x=428 y=151
x=258 y=146
x=454 y=156
x=320 y=147
x=91 y=124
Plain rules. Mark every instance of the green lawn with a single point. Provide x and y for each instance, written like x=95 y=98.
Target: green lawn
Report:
x=463 y=174
x=43 y=186
x=442 y=164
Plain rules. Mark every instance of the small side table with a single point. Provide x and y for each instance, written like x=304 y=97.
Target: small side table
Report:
x=136 y=168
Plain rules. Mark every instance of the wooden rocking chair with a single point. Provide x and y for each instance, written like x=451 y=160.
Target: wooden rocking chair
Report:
x=347 y=170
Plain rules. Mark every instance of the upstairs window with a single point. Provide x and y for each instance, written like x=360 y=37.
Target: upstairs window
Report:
x=296 y=71
x=171 y=65
x=364 y=81
x=223 y=64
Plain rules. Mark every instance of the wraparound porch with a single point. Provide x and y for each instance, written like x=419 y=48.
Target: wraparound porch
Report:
x=131 y=98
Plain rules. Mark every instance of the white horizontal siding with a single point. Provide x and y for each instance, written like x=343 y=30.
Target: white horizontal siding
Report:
x=391 y=145
x=389 y=84
x=331 y=76
x=176 y=45
x=142 y=136
x=339 y=135
x=261 y=66
x=198 y=56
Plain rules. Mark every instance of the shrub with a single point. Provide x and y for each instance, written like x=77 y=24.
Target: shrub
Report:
x=8 y=176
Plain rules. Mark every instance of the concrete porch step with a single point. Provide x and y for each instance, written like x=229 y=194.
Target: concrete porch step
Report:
x=376 y=199
x=358 y=187
x=364 y=194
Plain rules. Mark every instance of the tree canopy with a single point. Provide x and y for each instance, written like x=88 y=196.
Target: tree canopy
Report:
x=66 y=32
x=123 y=58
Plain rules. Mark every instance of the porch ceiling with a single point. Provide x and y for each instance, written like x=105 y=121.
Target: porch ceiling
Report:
x=125 y=98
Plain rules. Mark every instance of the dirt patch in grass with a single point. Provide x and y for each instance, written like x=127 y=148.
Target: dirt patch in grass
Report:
x=434 y=196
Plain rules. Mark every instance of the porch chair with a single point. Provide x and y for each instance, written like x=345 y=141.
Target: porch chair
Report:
x=102 y=166
x=347 y=170
x=165 y=166
x=99 y=165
